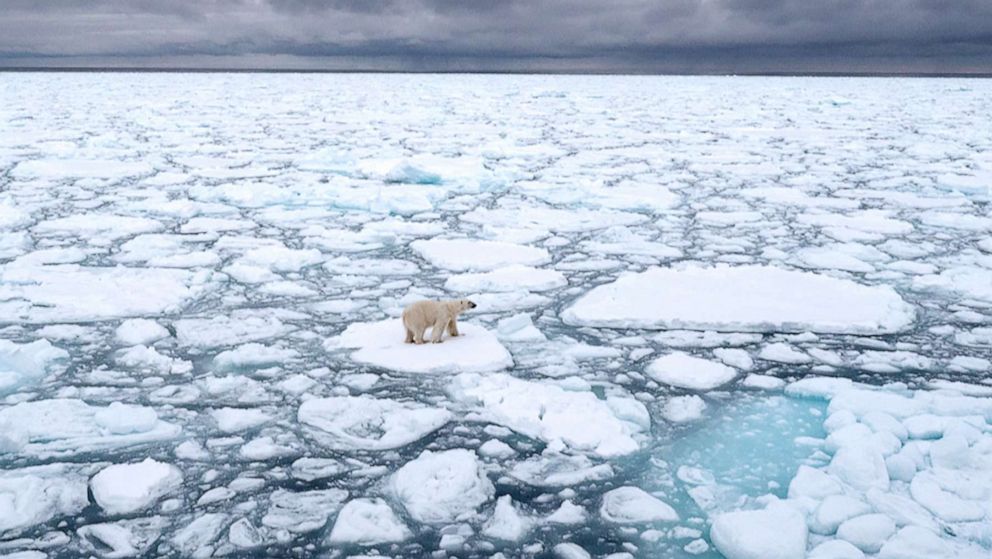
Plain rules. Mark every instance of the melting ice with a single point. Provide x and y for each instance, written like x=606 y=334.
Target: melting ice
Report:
x=716 y=316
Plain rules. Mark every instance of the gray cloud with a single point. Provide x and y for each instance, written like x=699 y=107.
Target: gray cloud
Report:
x=555 y=35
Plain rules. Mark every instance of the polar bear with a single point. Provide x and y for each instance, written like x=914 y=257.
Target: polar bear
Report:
x=437 y=315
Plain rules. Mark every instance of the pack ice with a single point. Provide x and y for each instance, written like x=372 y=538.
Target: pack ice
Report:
x=751 y=325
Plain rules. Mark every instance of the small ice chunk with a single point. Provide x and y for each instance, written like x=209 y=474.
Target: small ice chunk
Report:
x=568 y=513
x=195 y=539
x=861 y=466
x=368 y=522
x=506 y=523
x=763 y=382
x=232 y=420
x=21 y=364
x=867 y=532
x=440 y=487
x=571 y=551
x=302 y=511
x=776 y=532
x=253 y=355
x=128 y=488
x=834 y=510
x=140 y=331
x=734 y=357
x=685 y=371
x=683 y=409
x=835 y=549
x=495 y=448
x=783 y=353
x=632 y=505
x=519 y=328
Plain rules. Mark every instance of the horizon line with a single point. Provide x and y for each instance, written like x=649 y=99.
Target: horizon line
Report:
x=210 y=70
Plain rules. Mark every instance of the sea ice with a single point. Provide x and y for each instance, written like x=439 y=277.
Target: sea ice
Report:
x=632 y=505
x=368 y=522
x=468 y=254
x=509 y=278
x=127 y=488
x=365 y=423
x=776 y=532
x=33 y=495
x=742 y=298
x=577 y=419
x=22 y=364
x=685 y=371
x=70 y=293
x=439 y=487
x=382 y=344
x=68 y=426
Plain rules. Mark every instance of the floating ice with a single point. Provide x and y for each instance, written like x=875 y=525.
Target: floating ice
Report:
x=70 y=293
x=128 y=488
x=253 y=355
x=631 y=505
x=381 y=344
x=468 y=254
x=22 y=364
x=239 y=327
x=443 y=486
x=742 y=298
x=506 y=523
x=685 y=371
x=364 y=423
x=577 y=419
x=368 y=522
x=303 y=511
x=510 y=278
x=232 y=420
x=30 y=496
x=66 y=426
x=140 y=331
x=777 y=532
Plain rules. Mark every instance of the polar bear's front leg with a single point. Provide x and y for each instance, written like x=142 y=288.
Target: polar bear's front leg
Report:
x=453 y=328
x=437 y=331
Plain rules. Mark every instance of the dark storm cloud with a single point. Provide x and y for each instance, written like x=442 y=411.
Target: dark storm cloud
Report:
x=564 y=35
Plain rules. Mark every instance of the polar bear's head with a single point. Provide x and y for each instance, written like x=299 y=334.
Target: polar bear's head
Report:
x=465 y=304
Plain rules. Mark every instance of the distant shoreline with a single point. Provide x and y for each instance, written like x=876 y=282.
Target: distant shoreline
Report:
x=138 y=70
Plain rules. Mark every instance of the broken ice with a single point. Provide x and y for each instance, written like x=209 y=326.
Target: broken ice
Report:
x=716 y=316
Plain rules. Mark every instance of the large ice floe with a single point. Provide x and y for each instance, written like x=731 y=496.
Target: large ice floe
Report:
x=742 y=299
x=381 y=344
x=750 y=326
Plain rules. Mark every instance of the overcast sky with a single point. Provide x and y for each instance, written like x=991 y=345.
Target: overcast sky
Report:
x=695 y=36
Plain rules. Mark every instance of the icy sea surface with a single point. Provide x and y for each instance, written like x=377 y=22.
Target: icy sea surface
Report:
x=716 y=317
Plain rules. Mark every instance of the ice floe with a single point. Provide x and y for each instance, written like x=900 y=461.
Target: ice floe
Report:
x=468 y=254
x=382 y=344
x=128 y=488
x=68 y=426
x=685 y=371
x=742 y=298
x=575 y=418
x=364 y=423
x=442 y=486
